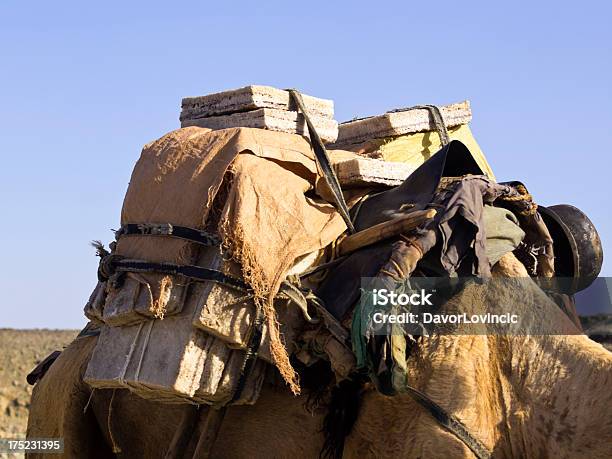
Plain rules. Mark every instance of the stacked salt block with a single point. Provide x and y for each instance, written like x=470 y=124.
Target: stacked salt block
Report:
x=396 y=123
x=169 y=360
x=225 y=313
x=260 y=107
x=360 y=172
x=161 y=356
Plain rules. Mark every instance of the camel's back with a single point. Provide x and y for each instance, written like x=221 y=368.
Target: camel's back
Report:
x=63 y=406
x=58 y=402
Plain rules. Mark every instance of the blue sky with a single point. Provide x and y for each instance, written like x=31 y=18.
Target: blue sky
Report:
x=83 y=86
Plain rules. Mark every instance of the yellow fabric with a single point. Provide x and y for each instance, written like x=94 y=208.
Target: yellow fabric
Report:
x=418 y=147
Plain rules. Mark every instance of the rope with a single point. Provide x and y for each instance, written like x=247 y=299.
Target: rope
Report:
x=116 y=449
x=322 y=267
x=450 y=423
x=144 y=349
x=357 y=206
x=89 y=400
x=522 y=195
x=130 y=353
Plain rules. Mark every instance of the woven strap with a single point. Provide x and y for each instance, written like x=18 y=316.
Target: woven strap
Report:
x=323 y=160
x=436 y=116
x=251 y=351
x=111 y=264
x=168 y=229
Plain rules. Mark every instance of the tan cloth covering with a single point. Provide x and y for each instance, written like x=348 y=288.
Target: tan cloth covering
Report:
x=268 y=220
x=177 y=177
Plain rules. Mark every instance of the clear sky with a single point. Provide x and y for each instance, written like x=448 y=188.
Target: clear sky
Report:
x=83 y=85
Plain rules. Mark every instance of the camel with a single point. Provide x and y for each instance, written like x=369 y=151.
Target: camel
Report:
x=521 y=396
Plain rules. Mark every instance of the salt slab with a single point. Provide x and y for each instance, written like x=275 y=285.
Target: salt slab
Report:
x=251 y=98
x=396 y=123
x=271 y=119
x=364 y=171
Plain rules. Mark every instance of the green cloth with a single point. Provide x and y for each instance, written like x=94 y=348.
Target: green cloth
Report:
x=503 y=232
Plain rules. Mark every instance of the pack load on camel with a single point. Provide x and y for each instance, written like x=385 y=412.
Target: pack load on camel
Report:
x=244 y=242
x=205 y=283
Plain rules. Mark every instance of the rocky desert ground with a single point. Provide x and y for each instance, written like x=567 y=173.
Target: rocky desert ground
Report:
x=21 y=350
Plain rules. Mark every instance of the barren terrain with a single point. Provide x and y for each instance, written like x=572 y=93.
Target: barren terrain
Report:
x=20 y=351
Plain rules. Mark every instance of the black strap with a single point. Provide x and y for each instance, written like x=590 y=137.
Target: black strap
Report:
x=196 y=273
x=330 y=264
x=41 y=369
x=323 y=160
x=450 y=423
x=167 y=229
x=250 y=356
x=90 y=329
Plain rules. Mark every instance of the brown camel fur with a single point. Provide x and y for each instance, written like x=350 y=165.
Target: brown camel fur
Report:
x=522 y=396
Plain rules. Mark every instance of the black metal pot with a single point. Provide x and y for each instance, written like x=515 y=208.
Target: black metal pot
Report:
x=576 y=244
